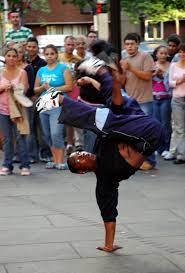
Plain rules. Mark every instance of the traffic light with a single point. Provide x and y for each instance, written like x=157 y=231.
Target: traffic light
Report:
x=101 y=8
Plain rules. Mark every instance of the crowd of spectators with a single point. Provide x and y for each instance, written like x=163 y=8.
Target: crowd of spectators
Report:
x=157 y=83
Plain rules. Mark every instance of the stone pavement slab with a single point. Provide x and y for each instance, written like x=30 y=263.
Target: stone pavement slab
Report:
x=109 y=264
x=51 y=235
x=36 y=252
x=160 y=228
x=141 y=216
x=2 y=269
x=176 y=259
x=23 y=222
x=50 y=223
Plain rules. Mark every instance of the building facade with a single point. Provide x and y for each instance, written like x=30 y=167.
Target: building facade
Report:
x=61 y=19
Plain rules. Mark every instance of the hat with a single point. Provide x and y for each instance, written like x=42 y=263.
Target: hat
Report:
x=20 y=96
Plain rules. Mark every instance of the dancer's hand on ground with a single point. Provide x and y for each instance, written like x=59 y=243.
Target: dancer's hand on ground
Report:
x=109 y=249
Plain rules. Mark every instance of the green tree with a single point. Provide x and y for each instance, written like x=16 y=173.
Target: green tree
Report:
x=155 y=10
x=26 y=5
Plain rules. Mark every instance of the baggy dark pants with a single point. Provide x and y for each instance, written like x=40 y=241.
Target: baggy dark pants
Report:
x=142 y=131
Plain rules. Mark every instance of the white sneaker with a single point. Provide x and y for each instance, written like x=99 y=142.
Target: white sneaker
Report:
x=5 y=171
x=25 y=171
x=164 y=153
x=61 y=166
x=91 y=66
x=48 y=100
x=169 y=156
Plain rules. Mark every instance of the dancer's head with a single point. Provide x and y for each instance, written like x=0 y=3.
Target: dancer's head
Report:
x=81 y=162
x=116 y=165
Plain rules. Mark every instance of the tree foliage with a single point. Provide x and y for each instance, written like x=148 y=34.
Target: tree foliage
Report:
x=156 y=10
x=26 y=5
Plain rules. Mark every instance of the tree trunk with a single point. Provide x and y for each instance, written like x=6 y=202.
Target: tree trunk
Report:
x=177 y=26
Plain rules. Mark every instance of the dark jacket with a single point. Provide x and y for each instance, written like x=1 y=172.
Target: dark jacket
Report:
x=126 y=123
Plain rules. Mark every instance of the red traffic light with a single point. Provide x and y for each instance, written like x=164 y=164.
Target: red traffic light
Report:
x=98 y=8
x=101 y=8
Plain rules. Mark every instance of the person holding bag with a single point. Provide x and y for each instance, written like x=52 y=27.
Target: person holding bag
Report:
x=12 y=114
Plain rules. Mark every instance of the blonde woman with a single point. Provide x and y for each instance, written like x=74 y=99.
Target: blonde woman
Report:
x=31 y=138
x=10 y=77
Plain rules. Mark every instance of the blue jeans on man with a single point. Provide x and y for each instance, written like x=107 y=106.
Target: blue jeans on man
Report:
x=147 y=108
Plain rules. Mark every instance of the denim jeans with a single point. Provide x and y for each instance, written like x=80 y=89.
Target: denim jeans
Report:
x=89 y=140
x=147 y=108
x=162 y=112
x=42 y=148
x=52 y=130
x=78 y=137
x=178 y=110
x=32 y=137
x=7 y=127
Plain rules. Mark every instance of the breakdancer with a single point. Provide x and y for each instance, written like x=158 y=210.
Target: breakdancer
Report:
x=125 y=136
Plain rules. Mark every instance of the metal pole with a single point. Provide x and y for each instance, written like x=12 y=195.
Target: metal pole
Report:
x=5 y=11
x=115 y=25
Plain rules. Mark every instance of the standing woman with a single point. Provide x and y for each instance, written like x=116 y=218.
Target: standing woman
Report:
x=57 y=75
x=177 y=82
x=162 y=96
x=22 y=64
x=10 y=77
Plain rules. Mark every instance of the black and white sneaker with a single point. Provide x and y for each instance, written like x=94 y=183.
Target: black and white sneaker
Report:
x=91 y=66
x=49 y=100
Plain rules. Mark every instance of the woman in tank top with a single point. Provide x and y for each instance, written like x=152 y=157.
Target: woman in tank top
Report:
x=11 y=76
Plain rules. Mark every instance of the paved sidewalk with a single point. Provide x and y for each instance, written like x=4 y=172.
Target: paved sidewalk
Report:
x=49 y=223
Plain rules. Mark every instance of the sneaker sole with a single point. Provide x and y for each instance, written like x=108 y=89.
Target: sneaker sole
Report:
x=5 y=174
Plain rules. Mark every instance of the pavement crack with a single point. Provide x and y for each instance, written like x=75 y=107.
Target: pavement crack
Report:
x=75 y=250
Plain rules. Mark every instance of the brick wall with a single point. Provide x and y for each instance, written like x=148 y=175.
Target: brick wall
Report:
x=59 y=12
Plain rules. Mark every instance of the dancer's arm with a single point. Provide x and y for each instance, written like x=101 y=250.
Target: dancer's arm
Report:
x=117 y=98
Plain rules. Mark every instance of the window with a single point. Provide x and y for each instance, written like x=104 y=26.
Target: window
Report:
x=153 y=31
